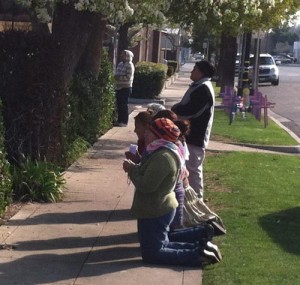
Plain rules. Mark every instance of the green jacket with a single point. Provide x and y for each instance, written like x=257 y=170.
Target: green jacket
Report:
x=154 y=180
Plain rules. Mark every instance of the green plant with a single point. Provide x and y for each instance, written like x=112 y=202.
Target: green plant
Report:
x=173 y=64
x=5 y=183
x=107 y=86
x=170 y=71
x=5 y=176
x=149 y=80
x=90 y=110
x=38 y=181
x=77 y=148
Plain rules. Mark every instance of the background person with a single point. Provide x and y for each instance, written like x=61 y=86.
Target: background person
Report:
x=124 y=78
x=197 y=105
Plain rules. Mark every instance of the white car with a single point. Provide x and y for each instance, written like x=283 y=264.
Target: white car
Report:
x=199 y=55
x=268 y=70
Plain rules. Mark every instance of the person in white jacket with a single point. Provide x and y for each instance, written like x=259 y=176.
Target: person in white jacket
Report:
x=197 y=106
x=124 y=78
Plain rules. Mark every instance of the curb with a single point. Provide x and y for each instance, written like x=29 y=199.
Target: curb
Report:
x=277 y=119
x=276 y=148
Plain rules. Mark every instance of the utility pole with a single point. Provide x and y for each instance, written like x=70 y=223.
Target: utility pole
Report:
x=243 y=84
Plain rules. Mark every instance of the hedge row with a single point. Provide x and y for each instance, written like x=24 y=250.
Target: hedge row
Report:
x=172 y=67
x=5 y=177
x=149 y=80
x=89 y=109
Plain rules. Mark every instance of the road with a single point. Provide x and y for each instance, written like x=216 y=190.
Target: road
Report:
x=286 y=96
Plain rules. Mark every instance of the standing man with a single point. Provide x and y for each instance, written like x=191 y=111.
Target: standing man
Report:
x=124 y=79
x=197 y=105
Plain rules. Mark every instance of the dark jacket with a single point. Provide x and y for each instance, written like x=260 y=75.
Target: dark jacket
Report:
x=197 y=105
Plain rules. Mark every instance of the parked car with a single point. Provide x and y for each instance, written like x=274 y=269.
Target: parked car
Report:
x=199 y=56
x=267 y=71
x=284 y=58
x=277 y=59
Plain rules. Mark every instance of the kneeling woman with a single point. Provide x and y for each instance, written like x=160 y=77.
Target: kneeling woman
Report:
x=154 y=203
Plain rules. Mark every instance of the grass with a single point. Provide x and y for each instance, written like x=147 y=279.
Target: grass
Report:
x=258 y=198
x=248 y=130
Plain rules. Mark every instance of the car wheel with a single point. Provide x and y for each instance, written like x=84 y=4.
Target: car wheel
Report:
x=275 y=83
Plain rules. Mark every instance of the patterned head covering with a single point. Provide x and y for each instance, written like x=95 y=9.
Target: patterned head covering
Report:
x=165 y=129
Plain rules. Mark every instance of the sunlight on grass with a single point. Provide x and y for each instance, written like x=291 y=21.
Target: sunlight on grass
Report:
x=257 y=196
x=248 y=130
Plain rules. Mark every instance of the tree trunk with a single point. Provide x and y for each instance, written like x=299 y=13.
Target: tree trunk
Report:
x=123 y=37
x=227 y=60
x=77 y=37
x=90 y=60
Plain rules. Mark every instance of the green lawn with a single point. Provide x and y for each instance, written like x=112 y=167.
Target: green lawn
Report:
x=248 y=130
x=258 y=199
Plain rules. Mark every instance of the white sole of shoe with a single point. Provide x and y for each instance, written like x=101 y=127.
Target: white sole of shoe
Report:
x=214 y=248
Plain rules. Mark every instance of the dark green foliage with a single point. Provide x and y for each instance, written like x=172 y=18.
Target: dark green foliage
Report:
x=84 y=108
x=170 y=71
x=31 y=109
x=107 y=86
x=282 y=35
x=90 y=111
x=149 y=79
x=5 y=177
x=173 y=64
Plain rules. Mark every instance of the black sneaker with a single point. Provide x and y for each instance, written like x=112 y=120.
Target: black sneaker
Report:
x=208 y=257
x=210 y=232
x=218 y=229
x=207 y=236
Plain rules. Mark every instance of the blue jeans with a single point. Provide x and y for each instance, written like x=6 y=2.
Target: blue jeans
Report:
x=156 y=247
x=122 y=96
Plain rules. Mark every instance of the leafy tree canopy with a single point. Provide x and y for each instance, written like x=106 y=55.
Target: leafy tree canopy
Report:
x=283 y=35
x=117 y=11
x=234 y=17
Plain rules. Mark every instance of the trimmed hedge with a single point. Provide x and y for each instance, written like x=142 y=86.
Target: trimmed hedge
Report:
x=172 y=66
x=5 y=176
x=91 y=109
x=149 y=80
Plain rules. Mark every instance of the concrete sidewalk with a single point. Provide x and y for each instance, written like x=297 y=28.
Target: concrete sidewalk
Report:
x=90 y=237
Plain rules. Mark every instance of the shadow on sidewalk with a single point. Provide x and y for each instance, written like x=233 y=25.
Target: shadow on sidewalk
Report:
x=77 y=218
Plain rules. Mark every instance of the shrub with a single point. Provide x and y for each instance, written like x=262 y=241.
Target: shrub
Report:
x=170 y=71
x=32 y=109
x=173 y=64
x=5 y=177
x=90 y=111
x=75 y=149
x=149 y=79
x=38 y=181
x=107 y=87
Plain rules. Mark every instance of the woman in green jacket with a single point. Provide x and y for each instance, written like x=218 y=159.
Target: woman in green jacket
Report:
x=154 y=203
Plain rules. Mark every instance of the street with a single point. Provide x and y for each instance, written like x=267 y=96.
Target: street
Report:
x=286 y=96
